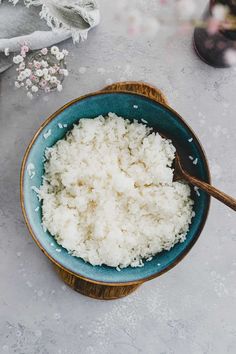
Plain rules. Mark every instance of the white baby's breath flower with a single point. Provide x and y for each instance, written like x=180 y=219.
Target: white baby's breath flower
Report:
x=27 y=72
x=59 y=88
x=39 y=73
x=36 y=79
x=47 y=77
x=53 y=80
x=45 y=71
x=44 y=63
x=64 y=72
x=28 y=82
x=65 y=52
x=21 y=76
x=34 y=88
x=219 y=12
x=59 y=56
x=51 y=70
x=17 y=84
x=6 y=52
x=17 y=59
x=54 y=50
x=37 y=64
x=29 y=94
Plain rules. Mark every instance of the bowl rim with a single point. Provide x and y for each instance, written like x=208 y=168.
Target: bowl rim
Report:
x=22 y=203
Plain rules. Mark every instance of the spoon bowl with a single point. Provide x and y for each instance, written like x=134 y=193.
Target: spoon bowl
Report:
x=181 y=174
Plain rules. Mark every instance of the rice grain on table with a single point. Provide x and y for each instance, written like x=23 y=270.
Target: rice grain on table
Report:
x=108 y=194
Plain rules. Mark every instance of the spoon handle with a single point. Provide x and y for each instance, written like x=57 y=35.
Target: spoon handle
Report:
x=214 y=192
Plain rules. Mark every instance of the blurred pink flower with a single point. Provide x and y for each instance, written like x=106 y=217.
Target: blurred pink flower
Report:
x=133 y=31
x=32 y=77
x=22 y=66
x=44 y=51
x=37 y=64
x=43 y=83
x=185 y=27
x=25 y=48
x=213 y=26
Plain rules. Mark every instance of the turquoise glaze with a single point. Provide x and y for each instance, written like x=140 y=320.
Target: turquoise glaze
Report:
x=161 y=119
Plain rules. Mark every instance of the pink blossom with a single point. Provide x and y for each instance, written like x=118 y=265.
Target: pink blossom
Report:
x=185 y=27
x=22 y=66
x=47 y=89
x=32 y=77
x=37 y=64
x=44 y=51
x=25 y=48
x=213 y=26
x=133 y=30
x=23 y=54
x=43 y=83
x=52 y=70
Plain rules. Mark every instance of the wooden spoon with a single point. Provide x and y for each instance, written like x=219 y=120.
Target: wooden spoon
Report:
x=180 y=173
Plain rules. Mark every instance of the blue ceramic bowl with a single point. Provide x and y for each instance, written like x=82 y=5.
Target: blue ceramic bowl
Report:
x=158 y=116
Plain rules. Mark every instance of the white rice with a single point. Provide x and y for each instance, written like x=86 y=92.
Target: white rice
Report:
x=108 y=194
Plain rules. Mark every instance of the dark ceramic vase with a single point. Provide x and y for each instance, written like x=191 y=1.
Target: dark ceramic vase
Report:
x=211 y=48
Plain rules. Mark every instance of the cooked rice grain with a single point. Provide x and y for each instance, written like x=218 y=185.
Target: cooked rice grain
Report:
x=108 y=194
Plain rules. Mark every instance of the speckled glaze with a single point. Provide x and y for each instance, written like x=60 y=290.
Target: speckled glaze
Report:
x=132 y=106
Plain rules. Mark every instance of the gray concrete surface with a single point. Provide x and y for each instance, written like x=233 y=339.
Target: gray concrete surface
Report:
x=192 y=308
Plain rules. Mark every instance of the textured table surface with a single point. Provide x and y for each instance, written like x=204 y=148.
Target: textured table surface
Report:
x=191 y=309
